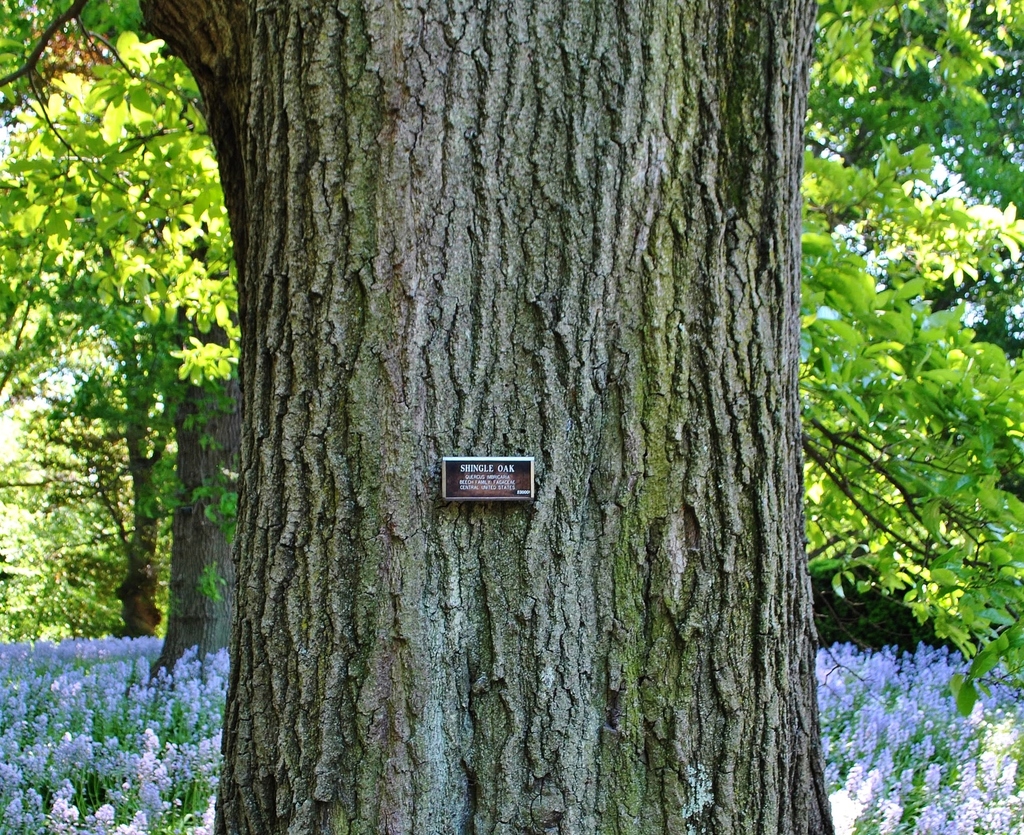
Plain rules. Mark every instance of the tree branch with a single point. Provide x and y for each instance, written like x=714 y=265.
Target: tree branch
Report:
x=212 y=38
x=44 y=40
x=847 y=490
x=874 y=463
x=836 y=539
x=11 y=365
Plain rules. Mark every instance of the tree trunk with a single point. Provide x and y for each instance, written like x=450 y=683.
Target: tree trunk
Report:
x=208 y=428
x=138 y=591
x=568 y=231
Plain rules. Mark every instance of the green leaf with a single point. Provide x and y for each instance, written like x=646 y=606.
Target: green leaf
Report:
x=944 y=577
x=142 y=107
x=816 y=244
x=965 y=693
x=29 y=219
x=114 y=118
x=988 y=659
x=837 y=584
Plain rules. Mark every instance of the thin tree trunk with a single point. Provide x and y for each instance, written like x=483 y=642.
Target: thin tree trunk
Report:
x=208 y=427
x=561 y=230
x=138 y=591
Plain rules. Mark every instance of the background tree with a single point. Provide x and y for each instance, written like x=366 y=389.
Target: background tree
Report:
x=208 y=427
x=61 y=528
x=113 y=194
x=563 y=231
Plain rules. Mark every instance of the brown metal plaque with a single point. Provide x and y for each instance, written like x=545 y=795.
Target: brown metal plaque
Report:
x=487 y=479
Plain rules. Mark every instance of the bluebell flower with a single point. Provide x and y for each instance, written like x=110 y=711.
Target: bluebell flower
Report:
x=82 y=724
x=901 y=759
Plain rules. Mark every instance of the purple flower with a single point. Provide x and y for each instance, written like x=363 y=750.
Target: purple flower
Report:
x=81 y=722
x=902 y=757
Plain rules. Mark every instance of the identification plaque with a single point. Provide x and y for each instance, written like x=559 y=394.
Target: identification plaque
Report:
x=487 y=479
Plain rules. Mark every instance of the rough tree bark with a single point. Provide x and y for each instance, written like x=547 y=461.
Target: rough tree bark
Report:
x=567 y=230
x=208 y=433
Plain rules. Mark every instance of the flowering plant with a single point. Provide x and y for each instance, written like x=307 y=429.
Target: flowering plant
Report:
x=900 y=758
x=91 y=745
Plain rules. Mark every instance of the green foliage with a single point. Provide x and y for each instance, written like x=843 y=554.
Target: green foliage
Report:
x=60 y=561
x=111 y=178
x=114 y=255
x=211 y=584
x=858 y=612
x=959 y=106
x=113 y=16
x=913 y=429
x=220 y=502
x=94 y=435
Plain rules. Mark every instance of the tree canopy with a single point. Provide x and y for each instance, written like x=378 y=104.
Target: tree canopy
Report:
x=116 y=262
x=912 y=253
